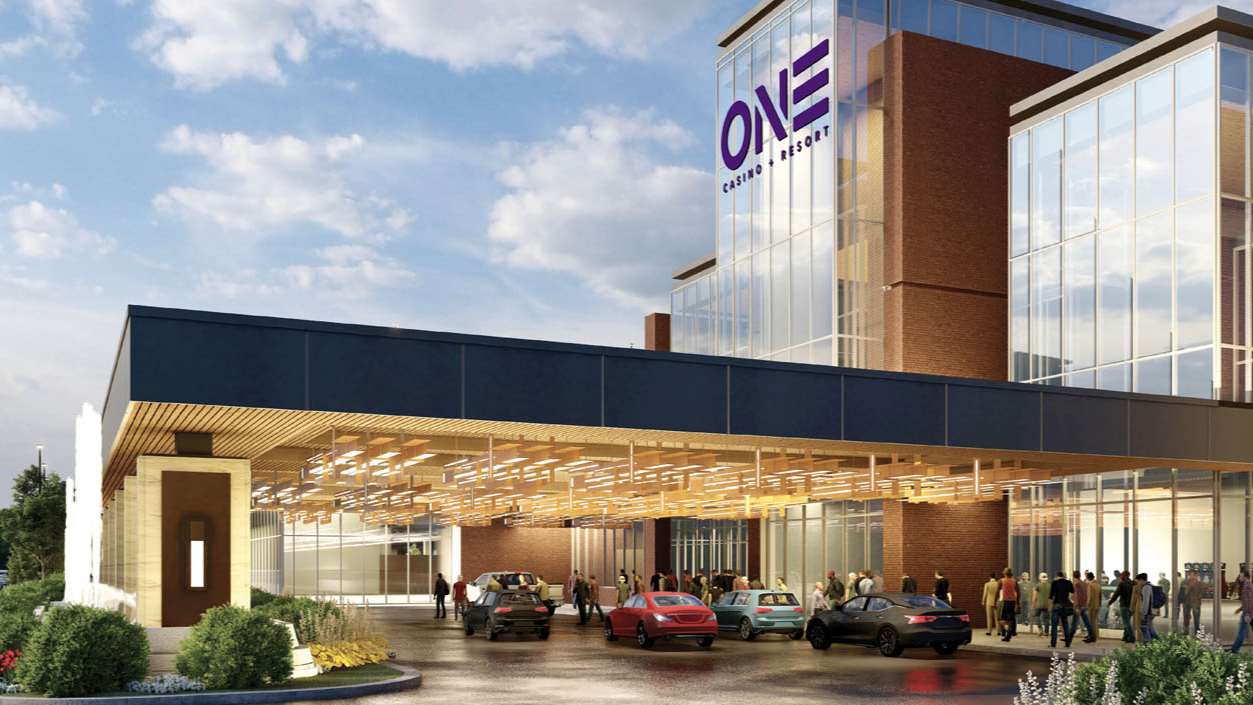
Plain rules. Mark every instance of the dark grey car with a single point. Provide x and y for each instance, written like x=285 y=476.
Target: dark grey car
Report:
x=500 y=611
x=891 y=624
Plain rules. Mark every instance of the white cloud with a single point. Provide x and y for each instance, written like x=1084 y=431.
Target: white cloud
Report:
x=595 y=204
x=19 y=111
x=258 y=185
x=341 y=272
x=205 y=43
x=1163 y=13
x=40 y=232
x=54 y=26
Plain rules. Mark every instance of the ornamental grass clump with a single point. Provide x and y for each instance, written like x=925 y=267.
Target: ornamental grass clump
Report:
x=232 y=647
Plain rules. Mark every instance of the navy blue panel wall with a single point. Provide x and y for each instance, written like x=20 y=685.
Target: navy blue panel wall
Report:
x=1230 y=434
x=1078 y=423
x=1168 y=430
x=991 y=417
x=893 y=410
x=665 y=394
x=380 y=375
x=793 y=404
x=531 y=385
x=196 y=362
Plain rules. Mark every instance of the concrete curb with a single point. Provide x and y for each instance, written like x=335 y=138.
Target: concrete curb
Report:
x=409 y=678
x=1030 y=651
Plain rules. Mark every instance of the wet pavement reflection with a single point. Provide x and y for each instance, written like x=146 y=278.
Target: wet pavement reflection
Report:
x=577 y=665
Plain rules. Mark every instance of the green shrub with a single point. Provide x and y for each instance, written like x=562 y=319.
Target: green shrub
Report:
x=23 y=598
x=79 y=650
x=233 y=647
x=1166 y=669
x=261 y=597
x=15 y=630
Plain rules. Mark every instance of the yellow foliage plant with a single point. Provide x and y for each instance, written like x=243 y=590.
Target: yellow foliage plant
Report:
x=349 y=654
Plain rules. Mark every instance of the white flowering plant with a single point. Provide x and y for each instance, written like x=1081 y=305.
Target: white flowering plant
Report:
x=164 y=685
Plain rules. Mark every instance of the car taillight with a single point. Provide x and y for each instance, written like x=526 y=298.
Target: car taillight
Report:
x=542 y=610
x=664 y=618
x=762 y=610
x=964 y=618
x=502 y=610
x=711 y=618
x=798 y=609
x=919 y=619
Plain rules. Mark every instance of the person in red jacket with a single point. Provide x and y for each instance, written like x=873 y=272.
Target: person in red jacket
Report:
x=459 y=601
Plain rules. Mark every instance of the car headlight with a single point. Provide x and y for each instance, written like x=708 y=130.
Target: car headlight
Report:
x=711 y=618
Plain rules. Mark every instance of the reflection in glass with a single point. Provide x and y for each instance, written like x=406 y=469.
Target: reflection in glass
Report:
x=1114 y=295
x=1001 y=34
x=1046 y=184
x=726 y=221
x=1153 y=376
x=689 y=318
x=761 y=297
x=974 y=27
x=1080 y=304
x=1117 y=156
x=1196 y=374
x=1194 y=526
x=1116 y=378
x=1030 y=41
x=1020 y=320
x=1233 y=117
x=1081 y=170
x=1153 y=259
x=914 y=16
x=1105 y=50
x=800 y=289
x=779 y=296
x=743 y=302
x=1154 y=136
x=1082 y=52
x=824 y=173
x=823 y=275
x=944 y=20
x=676 y=321
x=1194 y=126
x=726 y=302
x=1046 y=309
x=703 y=316
x=1020 y=188
x=1234 y=267
x=1057 y=47
x=1194 y=274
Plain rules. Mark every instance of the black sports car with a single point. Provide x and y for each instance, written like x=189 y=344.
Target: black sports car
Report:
x=891 y=624
x=499 y=611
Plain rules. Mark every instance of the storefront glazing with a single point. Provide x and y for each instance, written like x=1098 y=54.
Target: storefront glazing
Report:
x=805 y=541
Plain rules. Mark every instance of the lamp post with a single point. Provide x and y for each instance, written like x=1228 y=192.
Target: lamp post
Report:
x=40 y=449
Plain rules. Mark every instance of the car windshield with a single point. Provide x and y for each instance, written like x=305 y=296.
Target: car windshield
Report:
x=926 y=603
x=777 y=599
x=519 y=598
x=677 y=601
x=513 y=579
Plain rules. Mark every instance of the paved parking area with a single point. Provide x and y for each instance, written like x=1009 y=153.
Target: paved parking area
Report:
x=577 y=665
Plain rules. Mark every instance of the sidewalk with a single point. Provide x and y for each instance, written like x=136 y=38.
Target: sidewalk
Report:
x=1034 y=645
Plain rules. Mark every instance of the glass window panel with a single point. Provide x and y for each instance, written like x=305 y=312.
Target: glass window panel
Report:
x=1105 y=50
x=726 y=221
x=914 y=16
x=743 y=302
x=703 y=316
x=1115 y=540
x=761 y=191
x=726 y=303
x=779 y=297
x=795 y=555
x=800 y=289
x=1020 y=319
x=780 y=200
x=761 y=299
x=676 y=320
x=823 y=277
x=821 y=352
x=1153 y=376
x=974 y=27
x=802 y=181
x=1030 y=41
x=689 y=319
x=823 y=18
x=1154 y=137
x=1046 y=184
x=802 y=39
x=1081 y=489
x=799 y=354
x=726 y=93
x=944 y=20
x=1194 y=126
x=855 y=544
x=1114 y=379
x=1233 y=116
x=1057 y=47
x=1235 y=483
x=1196 y=374
x=1154 y=483
x=1081 y=380
x=1082 y=52
x=1081 y=170
x=1233 y=542
x=1153 y=533
x=1020 y=186
x=1193 y=483
x=1117 y=150
x=1046 y=309
x=1234 y=267
x=1194 y=527
x=1001 y=34
x=870 y=33
x=1153 y=265
x=823 y=156
x=1080 y=304
x=1114 y=288
x=1194 y=274
x=844 y=49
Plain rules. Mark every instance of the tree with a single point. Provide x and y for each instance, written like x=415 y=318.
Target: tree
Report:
x=34 y=527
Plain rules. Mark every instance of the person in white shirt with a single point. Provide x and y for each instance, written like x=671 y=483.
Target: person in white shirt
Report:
x=866 y=586
x=817 y=601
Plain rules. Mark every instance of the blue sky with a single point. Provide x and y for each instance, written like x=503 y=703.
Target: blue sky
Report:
x=528 y=168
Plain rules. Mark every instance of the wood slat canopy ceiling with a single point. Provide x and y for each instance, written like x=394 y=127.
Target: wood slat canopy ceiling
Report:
x=312 y=464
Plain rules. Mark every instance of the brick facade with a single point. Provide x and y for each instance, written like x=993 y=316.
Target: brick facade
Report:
x=966 y=541
x=545 y=552
x=657 y=332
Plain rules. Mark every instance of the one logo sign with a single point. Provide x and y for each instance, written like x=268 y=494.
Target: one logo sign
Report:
x=753 y=135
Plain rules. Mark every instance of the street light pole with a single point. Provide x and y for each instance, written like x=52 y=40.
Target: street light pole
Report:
x=40 y=448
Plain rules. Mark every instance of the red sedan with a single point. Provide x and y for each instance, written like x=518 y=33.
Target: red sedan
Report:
x=651 y=616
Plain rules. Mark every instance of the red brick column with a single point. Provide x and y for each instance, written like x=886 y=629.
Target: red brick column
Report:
x=966 y=541
x=754 y=566
x=657 y=332
x=545 y=552
x=660 y=545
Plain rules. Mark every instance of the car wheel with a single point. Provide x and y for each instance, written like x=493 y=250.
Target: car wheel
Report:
x=746 y=630
x=641 y=636
x=492 y=634
x=889 y=642
x=945 y=649
x=543 y=633
x=797 y=635
x=818 y=636
x=469 y=630
x=705 y=642
x=609 y=635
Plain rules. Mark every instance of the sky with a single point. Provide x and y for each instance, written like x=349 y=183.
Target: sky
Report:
x=523 y=168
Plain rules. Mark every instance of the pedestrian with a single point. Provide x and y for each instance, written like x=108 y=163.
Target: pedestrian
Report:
x=687 y=582
x=1094 y=606
x=877 y=580
x=672 y=583
x=942 y=591
x=441 y=591
x=639 y=585
x=1009 y=606
x=568 y=588
x=1081 y=609
x=834 y=592
x=593 y=599
x=780 y=585
x=741 y=582
x=1147 y=611
x=756 y=584
x=991 y=595
x=522 y=586
x=580 y=597
x=817 y=601
x=1040 y=605
x=851 y=586
x=624 y=590
x=1137 y=610
x=1164 y=583
x=543 y=591
x=1245 y=610
x=492 y=584
x=701 y=589
x=865 y=586
x=1122 y=594
x=459 y=602
x=909 y=586
x=1193 y=593
x=655 y=581
x=1061 y=608
x=1026 y=589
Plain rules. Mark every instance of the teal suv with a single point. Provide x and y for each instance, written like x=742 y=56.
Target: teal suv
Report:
x=753 y=612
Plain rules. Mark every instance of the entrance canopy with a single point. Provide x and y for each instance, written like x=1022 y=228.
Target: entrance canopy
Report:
x=394 y=423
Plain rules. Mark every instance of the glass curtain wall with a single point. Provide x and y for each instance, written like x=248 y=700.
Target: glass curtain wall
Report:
x=708 y=545
x=348 y=560
x=1116 y=280
x=604 y=551
x=801 y=241
x=803 y=542
x=1156 y=521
